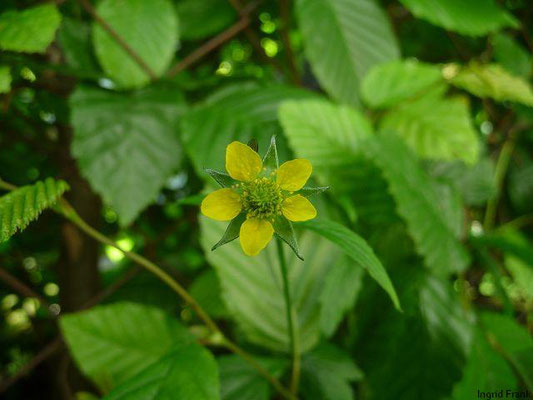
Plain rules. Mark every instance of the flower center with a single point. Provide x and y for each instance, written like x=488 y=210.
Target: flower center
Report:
x=261 y=198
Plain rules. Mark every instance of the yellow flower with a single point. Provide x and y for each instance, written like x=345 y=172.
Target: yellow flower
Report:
x=265 y=197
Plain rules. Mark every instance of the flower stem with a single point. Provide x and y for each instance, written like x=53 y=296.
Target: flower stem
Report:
x=70 y=213
x=293 y=337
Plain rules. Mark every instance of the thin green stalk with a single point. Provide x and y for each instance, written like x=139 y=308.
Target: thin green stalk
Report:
x=293 y=336
x=69 y=213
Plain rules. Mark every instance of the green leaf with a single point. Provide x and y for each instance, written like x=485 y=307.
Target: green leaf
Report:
x=252 y=287
x=511 y=55
x=127 y=144
x=30 y=30
x=393 y=82
x=149 y=27
x=328 y=135
x=200 y=19
x=436 y=128
x=352 y=37
x=430 y=340
x=355 y=247
x=24 y=205
x=133 y=334
x=5 y=79
x=491 y=81
x=240 y=381
x=206 y=290
x=418 y=204
x=521 y=182
x=186 y=372
x=485 y=371
x=513 y=341
x=74 y=37
x=341 y=288
x=327 y=373
x=472 y=17
x=238 y=112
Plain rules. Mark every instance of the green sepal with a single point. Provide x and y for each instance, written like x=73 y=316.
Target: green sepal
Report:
x=232 y=231
x=310 y=191
x=284 y=230
x=221 y=178
x=270 y=160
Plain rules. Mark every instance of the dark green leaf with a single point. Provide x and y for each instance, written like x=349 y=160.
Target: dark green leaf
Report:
x=511 y=55
x=200 y=19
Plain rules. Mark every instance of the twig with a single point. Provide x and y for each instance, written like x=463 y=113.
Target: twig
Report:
x=119 y=39
x=285 y=13
x=21 y=287
x=209 y=46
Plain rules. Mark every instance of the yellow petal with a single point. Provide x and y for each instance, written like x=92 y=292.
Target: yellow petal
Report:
x=222 y=205
x=255 y=235
x=298 y=208
x=293 y=174
x=242 y=163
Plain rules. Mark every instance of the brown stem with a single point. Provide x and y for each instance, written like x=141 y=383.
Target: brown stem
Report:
x=119 y=39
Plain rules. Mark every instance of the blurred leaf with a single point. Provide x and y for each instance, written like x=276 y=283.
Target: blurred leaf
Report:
x=492 y=81
x=127 y=144
x=24 y=205
x=112 y=343
x=186 y=372
x=30 y=30
x=327 y=373
x=252 y=287
x=436 y=128
x=74 y=38
x=485 y=371
x=475 y=183
x=417 y=202
x=239 y=381
x=340 y=291
x=238 y=112
x=520 y=185
x=429 y=340
x=393 y=82
x=472 y=17
x=200 y=19
x=352 y=37
x=206 y=290
x=513 y=341
x=149 y=27
x=511 y=55
x=522 y=274
x=5 y=79
x=355 y=247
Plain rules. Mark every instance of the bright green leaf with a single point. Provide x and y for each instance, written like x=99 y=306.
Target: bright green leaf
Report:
x=30 y=30
x=511 y=55
x=127 y=144
x=352 y=37
x=24 y=205
x=149 y=27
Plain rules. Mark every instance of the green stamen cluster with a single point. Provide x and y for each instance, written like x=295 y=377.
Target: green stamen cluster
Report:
x=261 y=198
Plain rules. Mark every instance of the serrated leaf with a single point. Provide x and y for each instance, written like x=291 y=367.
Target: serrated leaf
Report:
x=355 y=247
x=239 y=381
x=511 y=55
x=127 y=144
x=327 y=373
x=418 y=204
x=149 y=27
x=341 y=288
x=24 y=205
x=200 y=19
x=393 y=82
x=113 y=343
x=492 y=81
x=472 y=17
x=352 y=37
x=5 y=79
x=252 y=287
x=238 y=112
x=186 y=372
x=436 y=128
x=30 y=30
